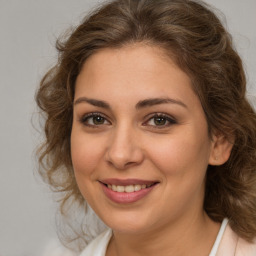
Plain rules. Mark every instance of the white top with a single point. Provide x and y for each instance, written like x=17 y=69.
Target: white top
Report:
x=219 y=237
x=227 y=243
x=98 y=246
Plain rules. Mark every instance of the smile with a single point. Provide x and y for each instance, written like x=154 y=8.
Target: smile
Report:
x=127 y=191
x=129 y=188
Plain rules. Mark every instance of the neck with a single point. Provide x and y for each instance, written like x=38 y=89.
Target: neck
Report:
x=193 y=236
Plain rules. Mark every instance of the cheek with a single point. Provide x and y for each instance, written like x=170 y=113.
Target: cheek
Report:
x=181 y=154
x=85 y=153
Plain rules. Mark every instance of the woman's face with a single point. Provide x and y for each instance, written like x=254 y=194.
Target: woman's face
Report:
x=138 y=122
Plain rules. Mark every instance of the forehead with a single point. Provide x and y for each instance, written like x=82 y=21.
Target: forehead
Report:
x=132 y=57
x=136 y=66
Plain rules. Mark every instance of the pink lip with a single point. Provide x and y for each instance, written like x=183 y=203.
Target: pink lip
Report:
x=127 y=182
x=125 y=198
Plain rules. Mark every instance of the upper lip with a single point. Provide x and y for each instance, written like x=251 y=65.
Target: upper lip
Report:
x=127 y=182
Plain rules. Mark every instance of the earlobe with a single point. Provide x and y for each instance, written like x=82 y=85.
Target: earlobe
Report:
x=221 y=150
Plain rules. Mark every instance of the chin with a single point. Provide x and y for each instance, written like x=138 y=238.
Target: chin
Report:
x=126 y=223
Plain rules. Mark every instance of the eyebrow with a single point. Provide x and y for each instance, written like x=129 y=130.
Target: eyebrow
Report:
x=94 y=102
x=157 y=101
x=141 y=104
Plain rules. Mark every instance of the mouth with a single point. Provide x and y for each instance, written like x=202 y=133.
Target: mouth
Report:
x=128 y=188
x=127 y=191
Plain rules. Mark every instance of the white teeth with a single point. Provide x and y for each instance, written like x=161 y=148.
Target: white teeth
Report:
x=127 y=189
x=120 y=188
x=137 y=187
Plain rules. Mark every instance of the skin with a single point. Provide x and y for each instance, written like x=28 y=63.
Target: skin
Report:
x=129 y=143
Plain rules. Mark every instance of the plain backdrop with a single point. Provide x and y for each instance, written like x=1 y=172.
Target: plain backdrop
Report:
x=28 y=30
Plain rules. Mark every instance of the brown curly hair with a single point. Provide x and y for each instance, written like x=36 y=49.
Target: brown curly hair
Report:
x=193 y=36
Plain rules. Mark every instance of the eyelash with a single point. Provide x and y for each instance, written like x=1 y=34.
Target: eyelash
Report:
x=84 y=120
x=166 y=117
x=86 y=117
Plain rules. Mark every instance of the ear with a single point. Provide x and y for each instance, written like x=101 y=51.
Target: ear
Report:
x=221 y=149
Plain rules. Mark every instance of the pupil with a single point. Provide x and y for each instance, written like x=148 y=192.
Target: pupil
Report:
x=160 y=120
x=98 y=120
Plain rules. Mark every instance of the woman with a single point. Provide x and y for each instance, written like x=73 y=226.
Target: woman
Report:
x=147 y=122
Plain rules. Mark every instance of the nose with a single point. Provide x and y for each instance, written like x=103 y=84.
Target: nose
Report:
x=124 y=148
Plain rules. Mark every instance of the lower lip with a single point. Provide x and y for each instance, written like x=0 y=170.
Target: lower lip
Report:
x=125 y=198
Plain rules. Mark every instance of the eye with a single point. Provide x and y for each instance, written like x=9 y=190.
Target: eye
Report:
x=160 y=121
x=94 y=119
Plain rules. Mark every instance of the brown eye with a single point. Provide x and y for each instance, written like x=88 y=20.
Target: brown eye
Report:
x=94 y=119
x=160 y=120
x=98 y=120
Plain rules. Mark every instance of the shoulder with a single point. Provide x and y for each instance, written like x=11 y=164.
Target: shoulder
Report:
x=98 y=246
x=233 y=245
x=245 y=248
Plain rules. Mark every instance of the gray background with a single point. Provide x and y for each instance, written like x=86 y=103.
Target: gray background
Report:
x=28 y=32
